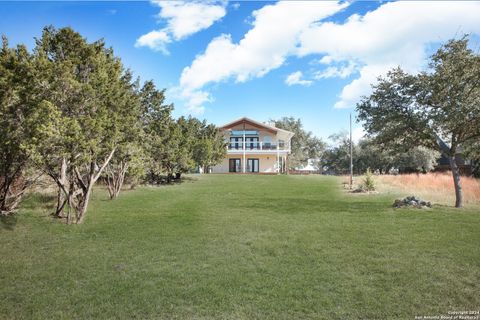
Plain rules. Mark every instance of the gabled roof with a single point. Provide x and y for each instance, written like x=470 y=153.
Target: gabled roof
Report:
x=254 y=123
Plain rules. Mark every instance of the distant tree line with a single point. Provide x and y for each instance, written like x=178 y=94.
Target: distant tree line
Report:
x=369 y=155
x=70 y=110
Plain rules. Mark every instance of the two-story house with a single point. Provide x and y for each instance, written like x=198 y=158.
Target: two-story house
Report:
x=254 y=147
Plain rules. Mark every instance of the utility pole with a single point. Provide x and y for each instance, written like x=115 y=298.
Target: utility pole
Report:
x=351 y=154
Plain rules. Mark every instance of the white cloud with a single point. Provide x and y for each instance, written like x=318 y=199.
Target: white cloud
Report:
x=183 y=19
x=336 y=72
x=296 y=78
x=358 y=134
x=155 y=40
x=395 y=34
x=273 y=37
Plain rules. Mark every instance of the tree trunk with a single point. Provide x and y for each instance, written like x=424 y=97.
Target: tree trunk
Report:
x=82 y=209
x=78 y=199
x=456 y=182
x=450 y=153
x=115 y=178
x=61 y=197
x=12 y=189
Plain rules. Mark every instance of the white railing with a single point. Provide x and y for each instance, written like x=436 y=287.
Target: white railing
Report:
x=257 y=146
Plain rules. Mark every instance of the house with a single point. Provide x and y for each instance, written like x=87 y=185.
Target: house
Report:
x=254 y=147
x=464 y=165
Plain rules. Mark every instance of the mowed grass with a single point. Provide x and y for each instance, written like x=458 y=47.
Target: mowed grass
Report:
x=240 y=247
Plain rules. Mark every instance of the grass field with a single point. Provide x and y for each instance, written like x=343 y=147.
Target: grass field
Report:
x=240 y=247
x=434 y=186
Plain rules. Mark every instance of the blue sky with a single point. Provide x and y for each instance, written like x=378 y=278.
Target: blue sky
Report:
x=223 y=60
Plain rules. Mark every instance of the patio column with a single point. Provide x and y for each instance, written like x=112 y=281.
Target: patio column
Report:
x=278 y=159
x=286 y=163
x=244 y=161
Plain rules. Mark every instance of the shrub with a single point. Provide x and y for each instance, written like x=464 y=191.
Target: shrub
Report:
x=369 y=181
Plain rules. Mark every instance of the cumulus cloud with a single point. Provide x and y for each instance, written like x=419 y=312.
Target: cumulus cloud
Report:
x=362 y=46
x=155 y=40
x=336 y=72
x=272 y=38
x=296 y=78
x=395 y=34
x=183 y=19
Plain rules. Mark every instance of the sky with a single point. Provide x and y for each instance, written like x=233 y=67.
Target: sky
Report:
x=221 y=60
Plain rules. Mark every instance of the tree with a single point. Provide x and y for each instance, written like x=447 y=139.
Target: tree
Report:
x=418 y=159
x=210 y=147
x=337 y=157
x=159 y=129
x=369 y=155
x=304 y=144
x=438 y=109
x=25 y=122
x=86 y=84
x=128 y=158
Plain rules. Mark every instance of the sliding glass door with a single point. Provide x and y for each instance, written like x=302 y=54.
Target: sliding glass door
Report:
x=234 y=165
x=253 y=165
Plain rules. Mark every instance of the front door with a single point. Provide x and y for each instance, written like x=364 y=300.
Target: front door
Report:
x=234 y=165
x=252 y=165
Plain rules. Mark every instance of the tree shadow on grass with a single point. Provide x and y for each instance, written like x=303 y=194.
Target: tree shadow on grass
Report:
x=8 y=222
x=39 y=200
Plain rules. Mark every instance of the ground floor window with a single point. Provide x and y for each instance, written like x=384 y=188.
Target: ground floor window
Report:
x=234 y=165
x=253 y=165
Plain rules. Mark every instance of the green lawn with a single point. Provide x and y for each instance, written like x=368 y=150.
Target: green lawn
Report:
x=240 y=247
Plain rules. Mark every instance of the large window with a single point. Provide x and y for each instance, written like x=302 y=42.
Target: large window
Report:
x=253 y=165
x=246 y=132
x=234 y=165
x=236 y=143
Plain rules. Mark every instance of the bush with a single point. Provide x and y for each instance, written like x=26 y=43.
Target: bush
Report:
x=369 y=181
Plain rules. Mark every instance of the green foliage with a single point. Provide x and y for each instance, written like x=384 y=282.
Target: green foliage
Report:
x=368 y=154
x=304 y=144
x=26 y=121
x=368 y=183
x=96 y=100
x=71 y=110
x=176 y=147
x=336 y=158
x=437 y=109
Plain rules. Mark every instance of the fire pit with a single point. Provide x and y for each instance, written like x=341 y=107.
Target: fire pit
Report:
x=412 y=202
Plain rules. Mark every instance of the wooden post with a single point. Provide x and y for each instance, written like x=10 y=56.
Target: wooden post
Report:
x=351 y=155
x=244 y=164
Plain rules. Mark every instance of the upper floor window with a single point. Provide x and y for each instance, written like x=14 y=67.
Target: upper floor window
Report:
x=242 y=132
x=267 y=140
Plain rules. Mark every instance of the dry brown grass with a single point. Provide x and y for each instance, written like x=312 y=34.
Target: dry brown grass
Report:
x=435 y=187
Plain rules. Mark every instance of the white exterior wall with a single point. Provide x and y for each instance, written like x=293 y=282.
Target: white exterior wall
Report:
x=267 y=163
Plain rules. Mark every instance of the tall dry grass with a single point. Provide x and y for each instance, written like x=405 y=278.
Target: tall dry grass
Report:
x=436 y=187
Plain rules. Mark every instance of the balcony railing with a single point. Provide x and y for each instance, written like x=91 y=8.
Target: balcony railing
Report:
x=257 y=146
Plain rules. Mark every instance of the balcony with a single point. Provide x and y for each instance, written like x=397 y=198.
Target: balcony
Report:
x=234 y=147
